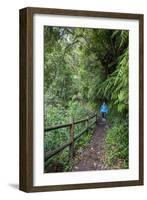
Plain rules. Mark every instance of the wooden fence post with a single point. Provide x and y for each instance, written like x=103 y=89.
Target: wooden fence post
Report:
x=96 y=117
x=71 y=146
x=87 y=123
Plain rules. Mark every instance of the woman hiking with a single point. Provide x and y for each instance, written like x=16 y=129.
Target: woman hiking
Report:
x=104 y=110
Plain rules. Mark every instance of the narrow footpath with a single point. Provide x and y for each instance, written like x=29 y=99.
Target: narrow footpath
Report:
x=91 y=158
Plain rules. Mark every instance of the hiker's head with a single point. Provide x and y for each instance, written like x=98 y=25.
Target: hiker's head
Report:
x=103 y=102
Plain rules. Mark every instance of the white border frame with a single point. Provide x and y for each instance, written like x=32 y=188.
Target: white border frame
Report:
x=39 y=177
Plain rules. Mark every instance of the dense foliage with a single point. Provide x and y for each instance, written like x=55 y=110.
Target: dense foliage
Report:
x=116 y=146
x=82 y=67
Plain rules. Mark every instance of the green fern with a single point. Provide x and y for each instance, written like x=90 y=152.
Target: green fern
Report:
x=115 y=86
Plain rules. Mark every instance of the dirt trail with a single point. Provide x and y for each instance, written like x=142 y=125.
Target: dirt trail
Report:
x=91 y=157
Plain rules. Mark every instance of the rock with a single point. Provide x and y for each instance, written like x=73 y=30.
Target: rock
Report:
x=103 y=120
x=106 y=126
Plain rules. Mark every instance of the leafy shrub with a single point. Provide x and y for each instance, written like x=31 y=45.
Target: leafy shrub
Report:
x=116 y=146
x=53 y=139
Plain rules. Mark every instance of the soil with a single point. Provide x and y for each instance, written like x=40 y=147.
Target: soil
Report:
x=91 y=158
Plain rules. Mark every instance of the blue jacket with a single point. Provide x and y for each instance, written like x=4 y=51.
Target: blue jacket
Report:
x=104 y=108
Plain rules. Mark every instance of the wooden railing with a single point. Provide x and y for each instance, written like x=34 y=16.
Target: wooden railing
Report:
x=72 y=138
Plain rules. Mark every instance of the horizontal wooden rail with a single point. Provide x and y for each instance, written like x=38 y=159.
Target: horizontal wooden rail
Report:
x=49 y=154
x=57 y=127
x=67 y=125
x=91 y=124
x=73 y=138
x=82 y=120
x=80 y=134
